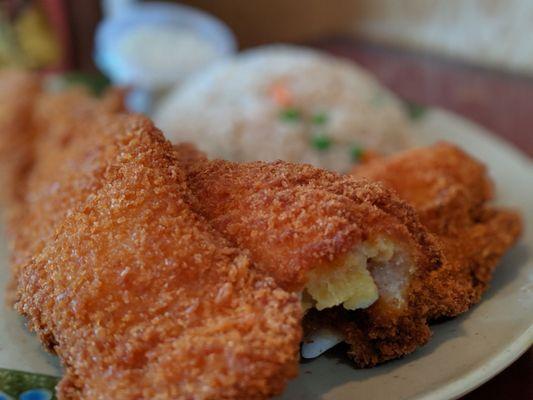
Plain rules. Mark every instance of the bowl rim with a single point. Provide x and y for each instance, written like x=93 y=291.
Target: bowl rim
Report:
x=113 y=28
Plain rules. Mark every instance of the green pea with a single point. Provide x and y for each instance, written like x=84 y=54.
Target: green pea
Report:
x=414 y=110
x=321 y=142
x=290 y=115
x=320 y=118
x=356 y=152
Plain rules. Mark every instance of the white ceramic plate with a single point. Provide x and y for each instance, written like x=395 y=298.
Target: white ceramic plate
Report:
x=464 y=352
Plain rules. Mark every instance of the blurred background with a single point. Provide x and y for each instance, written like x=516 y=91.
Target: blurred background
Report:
x=495 y=33
x=473 y=57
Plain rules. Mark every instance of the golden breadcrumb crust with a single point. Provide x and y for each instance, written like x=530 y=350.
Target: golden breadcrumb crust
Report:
x=59 y=162
x=18 y=92
x=138 y=296
x=293 y=218
x=450 y=190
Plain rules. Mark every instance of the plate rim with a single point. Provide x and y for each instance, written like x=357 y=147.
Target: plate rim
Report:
x=503 y=359
x=483 y=373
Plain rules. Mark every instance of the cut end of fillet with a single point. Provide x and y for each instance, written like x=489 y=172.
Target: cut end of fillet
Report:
x=374 y=268
x=349 y=283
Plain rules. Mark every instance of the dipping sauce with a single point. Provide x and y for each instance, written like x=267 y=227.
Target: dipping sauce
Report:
x=164 y=55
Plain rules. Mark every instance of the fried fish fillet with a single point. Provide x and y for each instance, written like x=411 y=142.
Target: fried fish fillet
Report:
x=50 y=190
x=18 y=92
x=137 y=294
x=450 y=190
x=352 y=248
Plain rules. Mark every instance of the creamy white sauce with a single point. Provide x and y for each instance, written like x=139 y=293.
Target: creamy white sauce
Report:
x=163 y=54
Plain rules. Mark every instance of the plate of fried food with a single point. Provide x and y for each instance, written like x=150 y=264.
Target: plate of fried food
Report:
x=137 y=268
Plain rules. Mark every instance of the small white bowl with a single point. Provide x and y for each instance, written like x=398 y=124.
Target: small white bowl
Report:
x=111 y=32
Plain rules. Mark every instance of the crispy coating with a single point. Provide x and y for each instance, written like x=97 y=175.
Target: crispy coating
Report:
x=61 y=116
x=294 y=218
x=449 y=190
x=139 y=296
x=65 y=154
x=18 y=92
x=434 y=180
x=307 y=215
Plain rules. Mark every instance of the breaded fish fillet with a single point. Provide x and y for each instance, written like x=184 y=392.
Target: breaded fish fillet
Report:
x=18 y=92
x=352 y=248
x=450 y=190
x=60 y=122
x=139 y=296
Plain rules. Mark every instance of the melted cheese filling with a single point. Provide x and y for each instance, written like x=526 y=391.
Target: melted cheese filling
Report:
x=349 y=281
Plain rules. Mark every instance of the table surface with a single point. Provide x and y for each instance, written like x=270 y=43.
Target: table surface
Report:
x=499 y=101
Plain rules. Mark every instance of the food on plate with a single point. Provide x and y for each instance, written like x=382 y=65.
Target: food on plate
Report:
x=155 y=272
x=137 y=294
x=18 y=91
x=290 y=217
x=352 y=249
x=450 y=190
x=285 y=102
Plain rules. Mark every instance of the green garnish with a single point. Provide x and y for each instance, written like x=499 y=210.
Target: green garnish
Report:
x=356 y=152
x=290 y=115
x=96 y=83
x=320 y=118
x=321 y=142
x=415 y=111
